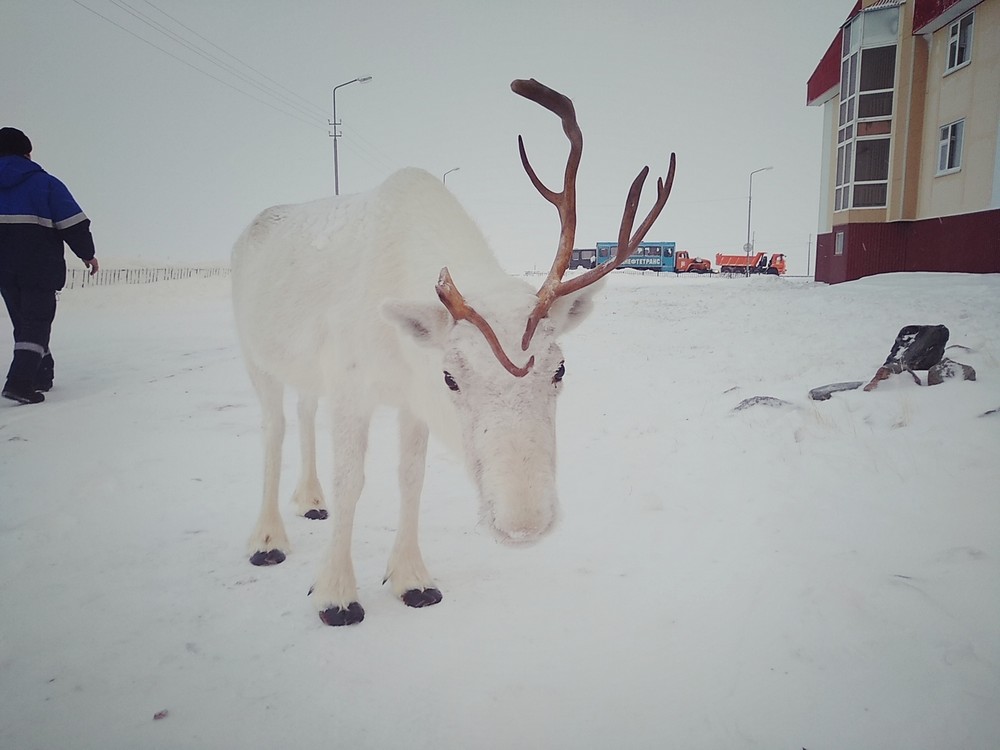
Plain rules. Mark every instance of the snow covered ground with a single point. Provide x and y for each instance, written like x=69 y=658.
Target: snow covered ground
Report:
x=818 y=575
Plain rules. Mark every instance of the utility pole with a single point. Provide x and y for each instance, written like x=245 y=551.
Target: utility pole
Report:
x=336 y=133
x=749 y=246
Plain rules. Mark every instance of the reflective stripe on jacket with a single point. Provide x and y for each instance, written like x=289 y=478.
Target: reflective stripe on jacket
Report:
x=38 y=214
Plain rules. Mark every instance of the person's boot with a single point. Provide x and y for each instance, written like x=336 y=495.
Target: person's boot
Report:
x=22 y=374
x=21 y=393
x=46 y=373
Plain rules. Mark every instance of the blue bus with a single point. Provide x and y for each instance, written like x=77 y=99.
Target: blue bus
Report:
x=649 y=256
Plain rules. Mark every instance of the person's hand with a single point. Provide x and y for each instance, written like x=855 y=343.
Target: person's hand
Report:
x=93 y=265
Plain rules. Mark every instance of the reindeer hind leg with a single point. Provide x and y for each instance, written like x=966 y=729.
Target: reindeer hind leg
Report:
x=268 y=543
x=308 y=495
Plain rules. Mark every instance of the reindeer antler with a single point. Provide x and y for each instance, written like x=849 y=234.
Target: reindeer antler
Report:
x=461 y=310
x=553 y=287
x=565 y=202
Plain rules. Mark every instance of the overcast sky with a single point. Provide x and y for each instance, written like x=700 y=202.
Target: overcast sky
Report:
x=172 y=155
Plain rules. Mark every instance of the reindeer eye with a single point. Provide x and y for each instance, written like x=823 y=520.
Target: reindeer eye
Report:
x=450 y=381
x=559 y=373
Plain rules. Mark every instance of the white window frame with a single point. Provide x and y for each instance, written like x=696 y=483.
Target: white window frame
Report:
x=855 y=183
x=838 y=243
x=955 y=32
x=850 y=121
x=951 y=142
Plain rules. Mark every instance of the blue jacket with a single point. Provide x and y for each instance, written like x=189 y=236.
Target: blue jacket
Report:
x=38 y=214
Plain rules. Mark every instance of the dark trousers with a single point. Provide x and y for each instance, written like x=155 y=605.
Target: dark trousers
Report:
x=32 y=310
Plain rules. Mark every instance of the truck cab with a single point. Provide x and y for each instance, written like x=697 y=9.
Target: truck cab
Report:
x=684 y=263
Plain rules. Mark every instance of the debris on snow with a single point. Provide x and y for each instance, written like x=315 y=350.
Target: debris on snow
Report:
x=947 y=369
x=761 y=401
x=823 y=392
x=915 y=348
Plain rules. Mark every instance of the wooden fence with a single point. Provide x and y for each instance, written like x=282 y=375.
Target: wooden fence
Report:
x=80 y=277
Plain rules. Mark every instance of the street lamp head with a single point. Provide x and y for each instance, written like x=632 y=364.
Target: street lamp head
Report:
x=359 y=79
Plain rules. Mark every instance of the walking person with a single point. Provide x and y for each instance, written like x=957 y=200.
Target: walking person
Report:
x=37 y=214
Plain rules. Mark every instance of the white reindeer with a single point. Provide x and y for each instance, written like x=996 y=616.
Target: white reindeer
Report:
x=337 y=298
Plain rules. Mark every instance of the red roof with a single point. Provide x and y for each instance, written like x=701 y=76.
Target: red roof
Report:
x=825 y=80
x=930 y=15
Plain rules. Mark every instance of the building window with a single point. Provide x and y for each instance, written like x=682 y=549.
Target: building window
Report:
x=870 y=194
x=871 y=172
x=867 y=94
x=950 y=148
x=838 y=243
x=960 y=43
x=878 y=67
x=872 y=160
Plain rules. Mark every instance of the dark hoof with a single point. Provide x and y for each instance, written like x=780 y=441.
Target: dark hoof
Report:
x=421 y=597
x=316 y=514
x=271 y=557
x=337 y=616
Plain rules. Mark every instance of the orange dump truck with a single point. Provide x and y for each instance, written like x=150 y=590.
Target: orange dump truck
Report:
x=757 y=262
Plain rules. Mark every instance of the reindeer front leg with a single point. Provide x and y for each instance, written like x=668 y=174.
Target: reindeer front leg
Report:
x=406 y=571
x=336 y=589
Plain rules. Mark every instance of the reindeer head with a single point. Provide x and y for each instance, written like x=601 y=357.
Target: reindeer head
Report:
x=507 y=413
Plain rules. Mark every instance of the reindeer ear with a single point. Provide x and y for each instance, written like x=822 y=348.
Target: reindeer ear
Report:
x=568 y=312
x=427 y=324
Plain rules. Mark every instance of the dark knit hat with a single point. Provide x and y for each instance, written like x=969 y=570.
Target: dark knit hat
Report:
x=13 y=141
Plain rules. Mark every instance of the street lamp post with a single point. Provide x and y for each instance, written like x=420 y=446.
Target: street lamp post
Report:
x=749 y=246
x=444 y=177
x=336 y=133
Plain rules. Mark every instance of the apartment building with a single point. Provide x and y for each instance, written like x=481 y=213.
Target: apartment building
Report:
x=910 y=177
